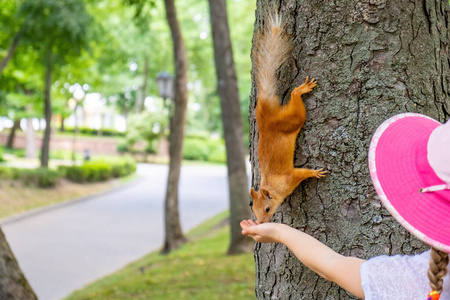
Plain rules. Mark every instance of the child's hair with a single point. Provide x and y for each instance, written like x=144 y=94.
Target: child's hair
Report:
x=438 y=269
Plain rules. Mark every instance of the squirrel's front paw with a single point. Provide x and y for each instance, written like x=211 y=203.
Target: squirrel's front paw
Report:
x=320 y=173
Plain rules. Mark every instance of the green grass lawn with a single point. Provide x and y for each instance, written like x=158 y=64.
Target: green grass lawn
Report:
x=198 y=270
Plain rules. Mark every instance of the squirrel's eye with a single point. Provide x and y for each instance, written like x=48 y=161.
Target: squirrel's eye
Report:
x=267 y=208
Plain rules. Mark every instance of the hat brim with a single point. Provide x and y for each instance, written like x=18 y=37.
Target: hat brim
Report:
x=398 y=179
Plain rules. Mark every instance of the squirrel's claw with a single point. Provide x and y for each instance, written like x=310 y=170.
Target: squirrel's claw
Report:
x=310 y=83
x=321 y=173
x=306 y=87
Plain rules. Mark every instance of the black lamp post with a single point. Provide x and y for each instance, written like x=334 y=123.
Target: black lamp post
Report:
x=164 y=81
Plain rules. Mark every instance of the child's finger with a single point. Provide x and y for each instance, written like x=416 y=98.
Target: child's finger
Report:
x=252 y=223
x=244 y=224
x=253 y=236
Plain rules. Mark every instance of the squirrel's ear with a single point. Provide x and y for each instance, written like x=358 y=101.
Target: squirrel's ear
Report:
x=253 y=193
x=266 y=193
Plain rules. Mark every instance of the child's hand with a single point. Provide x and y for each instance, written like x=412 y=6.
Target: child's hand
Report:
x=262 y=233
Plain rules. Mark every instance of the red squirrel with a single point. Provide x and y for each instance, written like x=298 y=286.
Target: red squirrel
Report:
x=278 y=125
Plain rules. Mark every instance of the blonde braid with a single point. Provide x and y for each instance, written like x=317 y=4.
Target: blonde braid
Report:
x=438 y=269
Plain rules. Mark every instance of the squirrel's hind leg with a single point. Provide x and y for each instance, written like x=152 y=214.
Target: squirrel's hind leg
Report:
x=304 y=88
x=293 y=114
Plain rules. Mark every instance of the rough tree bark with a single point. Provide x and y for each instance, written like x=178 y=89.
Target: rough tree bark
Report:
x=13 y=284
x=12 y=134
x=232 y=125
x=173 y=235
x=372 y=59
x=45 y=149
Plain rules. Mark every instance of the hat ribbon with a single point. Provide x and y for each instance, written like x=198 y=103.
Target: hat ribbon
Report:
x=435 y=188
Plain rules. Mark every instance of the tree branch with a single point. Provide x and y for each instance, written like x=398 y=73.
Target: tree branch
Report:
x=11 y=50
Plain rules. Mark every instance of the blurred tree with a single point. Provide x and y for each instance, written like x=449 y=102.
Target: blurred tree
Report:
x=145 y=126
x=12 y=134
x=107 y=66
x=58 y=32
x=11 y=50
x=13 y=284
x=194 y=17
x=11 y=33
x=173 y=235
x=21 y=87
x=232 y=126
x=242 y=24
x=125 y=102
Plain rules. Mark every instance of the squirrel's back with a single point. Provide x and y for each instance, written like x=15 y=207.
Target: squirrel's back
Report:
x=271 y=50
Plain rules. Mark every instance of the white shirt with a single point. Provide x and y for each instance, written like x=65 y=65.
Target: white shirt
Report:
x=399 y=277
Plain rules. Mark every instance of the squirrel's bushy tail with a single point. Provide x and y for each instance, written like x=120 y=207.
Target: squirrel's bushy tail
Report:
x=271 y=50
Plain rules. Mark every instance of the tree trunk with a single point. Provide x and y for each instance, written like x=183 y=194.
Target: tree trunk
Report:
x=30 y=148
x=232 y=125
x=13 y=284
x=173 y=235
x=61 y=128
x=10 y=53
x=140 y=103
x=372 y=61
x=48 y=115
x=12 y=134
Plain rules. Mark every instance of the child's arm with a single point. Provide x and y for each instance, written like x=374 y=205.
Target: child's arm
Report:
x=345 y=271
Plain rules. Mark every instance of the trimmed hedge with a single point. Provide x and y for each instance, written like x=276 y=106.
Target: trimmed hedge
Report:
x=94 y=171
x=99 y=170
x=95 y=132
x=204 y=149
x=41 y=177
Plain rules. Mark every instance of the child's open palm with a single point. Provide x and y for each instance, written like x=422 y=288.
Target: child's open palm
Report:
x=263 y=233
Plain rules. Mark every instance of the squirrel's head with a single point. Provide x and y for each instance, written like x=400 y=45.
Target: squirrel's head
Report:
x=264 y=204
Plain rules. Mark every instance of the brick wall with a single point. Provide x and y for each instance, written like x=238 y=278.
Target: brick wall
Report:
x=94 y=145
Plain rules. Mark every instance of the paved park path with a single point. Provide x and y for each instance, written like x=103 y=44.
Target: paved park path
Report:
x=63 y=249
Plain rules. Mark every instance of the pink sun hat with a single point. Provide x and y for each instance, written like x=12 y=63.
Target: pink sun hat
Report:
x=409 y=162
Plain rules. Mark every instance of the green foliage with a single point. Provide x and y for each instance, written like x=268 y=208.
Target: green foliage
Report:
x=195 y=149
x=40 y=177
x=16 y=151
x=95 y=132
x=6 y=173
x=147 y=127
x=198 y=270
x=203 y=149
x=55 y=27
x=122 y=146
x=124 y=168
x=100 y=170
x=118 y=34
x=54 y=154
x=92 y=171
x=218 y=154
x=62 y=154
